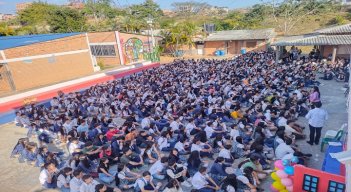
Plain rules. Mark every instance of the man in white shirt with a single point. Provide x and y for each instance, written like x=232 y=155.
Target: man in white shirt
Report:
x=316 y=120
x=76 y=181
x=157 y=168
x=201 y=181
x=88 y=185
x=284 y=149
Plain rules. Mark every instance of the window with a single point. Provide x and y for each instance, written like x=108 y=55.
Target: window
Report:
x=336 y=187
x=103 y=50
x=251 y=44
x=310 y=183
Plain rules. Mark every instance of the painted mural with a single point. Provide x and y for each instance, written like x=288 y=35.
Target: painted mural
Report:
x=134 y=50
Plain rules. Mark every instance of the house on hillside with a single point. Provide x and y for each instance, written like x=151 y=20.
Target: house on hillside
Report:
x=235 y=41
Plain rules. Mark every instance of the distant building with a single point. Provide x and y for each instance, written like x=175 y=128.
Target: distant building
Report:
x=22 y=6
x=6 y=17
x=76 y=4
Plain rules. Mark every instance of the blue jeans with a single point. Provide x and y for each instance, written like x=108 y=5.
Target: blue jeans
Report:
x=107 y=179
x=205 y=189
x=51 y=185
x=158 y=176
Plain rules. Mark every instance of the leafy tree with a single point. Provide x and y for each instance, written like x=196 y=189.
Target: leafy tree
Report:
x=64 y=20
x=148 y=8
x=36 y=14
x=5 y=30
x=99 y=9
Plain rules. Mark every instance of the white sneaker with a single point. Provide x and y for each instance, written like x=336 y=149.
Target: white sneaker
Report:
x=186 y=184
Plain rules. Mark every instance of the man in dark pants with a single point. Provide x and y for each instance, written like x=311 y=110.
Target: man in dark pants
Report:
x=316 y=120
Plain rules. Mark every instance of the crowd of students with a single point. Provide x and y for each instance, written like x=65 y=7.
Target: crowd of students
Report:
x=201 y=125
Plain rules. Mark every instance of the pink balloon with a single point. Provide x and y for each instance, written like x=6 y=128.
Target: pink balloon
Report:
x=273 y=189
x=287 y=182
x=281 y=174
x=290 y=188
x=279 y=164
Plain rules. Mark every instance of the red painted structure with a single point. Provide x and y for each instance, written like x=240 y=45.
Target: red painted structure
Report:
x=5 y=107
x=324 y=178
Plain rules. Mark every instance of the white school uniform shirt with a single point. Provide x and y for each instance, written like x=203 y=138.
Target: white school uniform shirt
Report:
x=156 y=167
x=225 y=153
x=179 y=146
x=75 y=184
x=234 y=133
x=195 y=147
x=174 y=125
x=282 y=150
x=145 y=123
x=209 y=131
x=162 y=143
x=199 y=181
x=61 y=180
x=189 y=127
x=43 y=176
x=88 y=187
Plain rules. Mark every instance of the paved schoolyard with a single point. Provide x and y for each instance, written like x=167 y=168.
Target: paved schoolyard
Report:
x=16 y=177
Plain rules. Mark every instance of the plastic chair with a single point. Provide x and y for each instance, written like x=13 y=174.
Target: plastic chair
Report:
x=333 y=133
x=337 y=138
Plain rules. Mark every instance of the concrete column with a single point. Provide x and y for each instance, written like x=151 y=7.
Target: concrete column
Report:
x=348 y=139
x=8 y=72
x=119 y=47
x=277 y=54
x=334 y=55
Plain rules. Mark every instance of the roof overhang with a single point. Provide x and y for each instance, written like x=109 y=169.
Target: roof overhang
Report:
x=310 y=40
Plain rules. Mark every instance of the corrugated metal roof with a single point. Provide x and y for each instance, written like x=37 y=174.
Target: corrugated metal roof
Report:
x=341 y=29
x=7 y=42
x=314 y=40
x=241 y=35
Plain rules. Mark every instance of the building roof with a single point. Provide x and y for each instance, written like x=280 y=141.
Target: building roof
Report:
x=241 y=35
x=335 y=30
x=314 y=40
x=8 y=42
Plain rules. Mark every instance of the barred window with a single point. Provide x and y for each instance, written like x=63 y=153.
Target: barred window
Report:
x=103 y=50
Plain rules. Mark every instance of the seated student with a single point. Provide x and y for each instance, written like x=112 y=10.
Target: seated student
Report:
x=211 y=131
x=284 y=149
x=226 y=154
x=131 y=159
x=238 y=150
x=194 y=162
x=173 y=186
x=29 y=154
x=202 y=182
x=182 y=146
x=47 y=176
x=247 y=180
x=126 y=178
x=177 y=171
x=106 y=152
x=105 y=174
x=146 y=184
x=64 y=178
x=151 y=153
x=254 y=163
x=157 y=170
x=217 y=171
x=76 y=181
x=91 y=151
x=230 y=183
x=42 y=155
x=163 y=143
x=86 y=165
x=20 y=146
x=204 y=149
x=88 y=184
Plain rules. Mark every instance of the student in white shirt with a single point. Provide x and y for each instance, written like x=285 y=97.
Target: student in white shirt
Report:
x=46 y=176
x=284 y=149
x=202 y=182
x=145 y=184
x=88 y=184
x=225 y=153
x=76 y=181
x=156 y=170
x=64 y=178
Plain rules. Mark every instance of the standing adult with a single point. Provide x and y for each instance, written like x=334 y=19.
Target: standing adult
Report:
x=316 y=120
x=315 y=96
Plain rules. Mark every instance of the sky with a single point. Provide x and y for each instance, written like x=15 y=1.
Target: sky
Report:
x=9 y=6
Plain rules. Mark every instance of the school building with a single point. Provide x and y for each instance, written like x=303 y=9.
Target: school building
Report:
x=235 y=42
x=37 y=60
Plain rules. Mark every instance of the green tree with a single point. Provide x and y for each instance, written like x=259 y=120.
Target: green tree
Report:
x=64 y=20
x=5 y=30
x=99 y=9
x=36 y=14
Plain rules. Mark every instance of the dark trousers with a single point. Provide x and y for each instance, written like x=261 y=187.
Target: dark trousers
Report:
x=315 y=134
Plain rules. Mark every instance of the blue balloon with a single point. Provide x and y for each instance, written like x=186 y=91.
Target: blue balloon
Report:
x=286 y=162
x=295 y=159
x=289 y=170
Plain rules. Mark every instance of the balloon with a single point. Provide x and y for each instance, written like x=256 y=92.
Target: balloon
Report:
x=273 y=189
x=279 y=164
x=278 y=185
x=281 y=174
x=290 y=188
x=286 y=162
x=275 y=176
x=295 y=159
x=289 y=170
x=284 y=190
x=276 y=169
x=287 y=182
